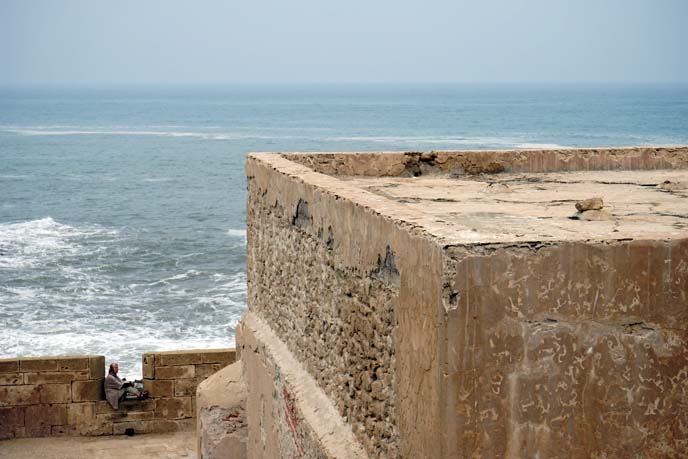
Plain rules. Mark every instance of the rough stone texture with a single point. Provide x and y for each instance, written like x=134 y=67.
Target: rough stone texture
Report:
x=221 y=415
x=449 y=306
x=345 y=314
x=288 y=414
x=88 y=391
x=54 y=396
x=476 y=162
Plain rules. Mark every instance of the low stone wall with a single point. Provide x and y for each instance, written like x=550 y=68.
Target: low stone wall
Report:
x=49 y=396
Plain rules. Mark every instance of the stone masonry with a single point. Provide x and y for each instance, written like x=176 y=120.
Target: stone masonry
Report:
x=467 y=304
x=54 y=396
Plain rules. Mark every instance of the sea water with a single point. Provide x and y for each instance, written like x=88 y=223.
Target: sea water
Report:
x=122 y=210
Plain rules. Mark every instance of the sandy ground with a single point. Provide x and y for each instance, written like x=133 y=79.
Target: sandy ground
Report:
x=154 y=446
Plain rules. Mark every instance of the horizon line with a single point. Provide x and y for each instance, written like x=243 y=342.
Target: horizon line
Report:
x=64 y=84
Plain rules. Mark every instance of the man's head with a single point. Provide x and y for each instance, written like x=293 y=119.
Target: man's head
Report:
x=114 y=368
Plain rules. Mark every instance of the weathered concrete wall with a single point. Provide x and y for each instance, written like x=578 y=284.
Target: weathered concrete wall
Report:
x=547 y=340
x=221 y=414
x=568 y=350
x=324 y=273
x=47 y=396
x=474 y=162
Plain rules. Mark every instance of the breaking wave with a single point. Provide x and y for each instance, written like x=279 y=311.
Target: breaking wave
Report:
x=83 y=289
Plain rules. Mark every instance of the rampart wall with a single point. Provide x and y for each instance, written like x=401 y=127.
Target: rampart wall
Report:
x=51 y=396
x=453 y=304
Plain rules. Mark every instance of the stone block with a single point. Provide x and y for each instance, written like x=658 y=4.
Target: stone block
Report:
x=207 y=369
x=54 y=377
x=87 y=391
x=159 y=387
x=11 y=379
x=140 y=427
x=140 y=415
x=74 y=363
x=155 y=426
x=37 y=364
x=148 y=366
x=19 y=395
x=223 y=356
x=38 y=430
x=221 y=414
x=64 y=431
x=168 y=359
x=54 y=393
x=9 y=365
x=95 y=429
x=81 y=413
x=96 y=365
x=176 y=372
x=173 y=408
x=125 y=416
x=40 y=418
x=11 y=420
x=186 y=387
x=103 y=407
x=178 y=425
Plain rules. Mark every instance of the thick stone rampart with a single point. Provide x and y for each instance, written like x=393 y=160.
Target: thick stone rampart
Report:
x=50 y=396
x=461 y=304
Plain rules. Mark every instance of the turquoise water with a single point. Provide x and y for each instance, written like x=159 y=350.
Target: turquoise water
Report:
x=122 y=209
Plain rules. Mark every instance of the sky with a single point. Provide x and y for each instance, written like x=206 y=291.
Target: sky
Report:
x=346 y=41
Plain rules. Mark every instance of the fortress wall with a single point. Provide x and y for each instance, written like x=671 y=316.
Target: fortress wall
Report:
x=49 y=396
x=397 y=310
x=472 y=162
x=567 y=350
x=336 y=282
x=44 y=396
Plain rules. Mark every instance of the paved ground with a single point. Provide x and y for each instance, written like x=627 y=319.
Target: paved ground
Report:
x=154 y=446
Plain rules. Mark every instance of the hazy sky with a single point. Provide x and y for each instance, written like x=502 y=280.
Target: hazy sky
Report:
x=259 y=41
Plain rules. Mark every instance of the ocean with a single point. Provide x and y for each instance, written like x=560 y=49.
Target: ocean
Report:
x=122 y=209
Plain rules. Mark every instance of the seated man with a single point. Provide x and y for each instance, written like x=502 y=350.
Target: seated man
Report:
x=116 y=388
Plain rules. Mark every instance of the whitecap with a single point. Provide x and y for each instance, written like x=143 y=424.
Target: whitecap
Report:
x=433 y=140
x=35 y=242
x=237 y=232
x=540 y=146
x=183 y=276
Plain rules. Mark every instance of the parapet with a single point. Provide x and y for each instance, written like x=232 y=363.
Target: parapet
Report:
x=468 y=303
x=55 y=396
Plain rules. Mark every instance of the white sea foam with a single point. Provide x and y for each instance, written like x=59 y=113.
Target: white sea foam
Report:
x=237 y=232
x=310 y=135
x=183 y=276
x=479 y=141
x=540 y=146
x=124 y=345
x=317 y=136
x=31 y=243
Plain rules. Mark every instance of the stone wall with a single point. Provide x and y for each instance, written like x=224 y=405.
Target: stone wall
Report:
x=324 y=275
x=344 y=319
x=47 y=396
x=418 y=319
x=50 y=396
x=578 y=344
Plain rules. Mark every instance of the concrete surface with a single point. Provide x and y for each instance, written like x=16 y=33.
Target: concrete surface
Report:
x=468 y=304
x=152 y=446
